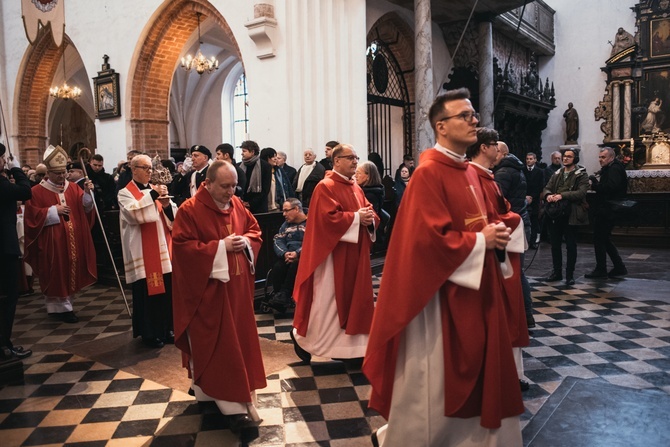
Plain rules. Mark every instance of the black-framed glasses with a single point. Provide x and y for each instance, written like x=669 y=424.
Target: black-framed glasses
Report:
x=493 y=143
x=284 y=210
x=146 y=168
x=465 y=116
x=349 y=157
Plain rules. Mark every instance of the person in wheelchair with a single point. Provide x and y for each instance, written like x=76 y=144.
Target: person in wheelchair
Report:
x=287 y=246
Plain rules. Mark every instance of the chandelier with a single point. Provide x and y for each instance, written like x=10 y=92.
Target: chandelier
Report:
x=65 y=91
x=199 y=63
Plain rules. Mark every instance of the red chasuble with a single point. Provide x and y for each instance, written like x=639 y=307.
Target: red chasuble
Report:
x=516 y=312
x=218 y=316
x=331 y=213
x=62 y=255
x=435 y=230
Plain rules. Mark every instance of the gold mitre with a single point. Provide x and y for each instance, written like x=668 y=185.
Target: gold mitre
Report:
x=55 y=158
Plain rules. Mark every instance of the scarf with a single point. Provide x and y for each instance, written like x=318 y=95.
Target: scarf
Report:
x=254 y=182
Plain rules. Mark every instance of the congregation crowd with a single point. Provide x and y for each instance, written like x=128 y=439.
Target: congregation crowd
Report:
x=443 y=336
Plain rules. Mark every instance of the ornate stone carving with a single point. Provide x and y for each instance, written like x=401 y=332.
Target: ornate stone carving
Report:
x=603 y=112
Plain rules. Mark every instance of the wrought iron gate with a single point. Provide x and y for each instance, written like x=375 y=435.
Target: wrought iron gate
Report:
x=388 y=107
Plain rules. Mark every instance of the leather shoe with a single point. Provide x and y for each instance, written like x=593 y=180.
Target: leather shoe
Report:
x=66 y=317
x=20 y=353
x=153 y=342
x=239 y=422
x=525 y=386
x=301 y=353
x=530 y=322
x=553 y=276
x=618 y=271
x=570 y=281
x=373 y=437
x=596 y=273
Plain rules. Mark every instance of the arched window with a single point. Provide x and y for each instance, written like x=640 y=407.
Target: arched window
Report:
x=240 y=111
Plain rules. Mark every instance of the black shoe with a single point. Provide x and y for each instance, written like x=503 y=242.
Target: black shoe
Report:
x=353 y=363
x=66 y=317
x=534 y=246
x=553 y=276
x=618 y=271
x=596 y=273
x=153 y=342
x=375 y=441
x=301 y=353
x=525 y=386
x=530 y=322
x=20 y=353
x=169 y=340
x=239 y=422
x=570 y=281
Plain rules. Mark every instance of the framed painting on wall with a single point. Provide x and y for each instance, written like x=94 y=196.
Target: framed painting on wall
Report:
x=659 y=37
x=107 y=97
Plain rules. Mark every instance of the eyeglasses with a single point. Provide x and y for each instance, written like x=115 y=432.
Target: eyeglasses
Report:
x=465 y=116
x=495 y=143
x=145 y=168
x=350 y=157
x=284 y=210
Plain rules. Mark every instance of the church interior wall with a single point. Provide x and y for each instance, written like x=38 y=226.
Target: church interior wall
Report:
x=581 y=49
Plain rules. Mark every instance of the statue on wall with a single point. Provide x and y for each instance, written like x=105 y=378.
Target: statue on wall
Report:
x=622 y=40
x=652 y=122
x=571 y=125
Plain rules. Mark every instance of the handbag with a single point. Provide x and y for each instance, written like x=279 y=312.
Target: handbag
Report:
x=557 y=210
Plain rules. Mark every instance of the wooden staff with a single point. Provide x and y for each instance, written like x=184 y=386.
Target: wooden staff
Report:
x=104 y=235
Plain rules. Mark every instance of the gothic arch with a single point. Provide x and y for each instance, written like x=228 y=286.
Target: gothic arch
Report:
x=156 y=59
x=32 y=98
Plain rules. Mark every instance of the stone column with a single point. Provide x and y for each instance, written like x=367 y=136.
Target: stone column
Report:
x=616 y=111
x=423 y=78
x=485 y=49
x=627 y=108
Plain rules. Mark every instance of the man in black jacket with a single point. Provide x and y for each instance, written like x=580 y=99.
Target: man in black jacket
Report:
x=512 y=181
x=259 y=178
x=612 y=185
x=535 y=184
x=10 y=254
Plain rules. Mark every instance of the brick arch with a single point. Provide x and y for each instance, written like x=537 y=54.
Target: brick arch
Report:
x=40 y=64
x=152 y=75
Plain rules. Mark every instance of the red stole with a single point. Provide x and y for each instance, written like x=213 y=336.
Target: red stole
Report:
x=150 y=248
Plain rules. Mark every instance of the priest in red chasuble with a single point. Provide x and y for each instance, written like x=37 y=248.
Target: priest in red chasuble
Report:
x=483 y=156
x=215 y=243
x=333 y=288
x=146 y=215
x=439 y=357
x=59 y=247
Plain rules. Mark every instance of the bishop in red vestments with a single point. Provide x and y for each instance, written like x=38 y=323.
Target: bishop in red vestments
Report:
x=439 y=357
x=215 y=241
x=59 y=248
x=333 y=288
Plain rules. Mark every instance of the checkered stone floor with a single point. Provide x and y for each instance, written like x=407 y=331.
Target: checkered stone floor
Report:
x=583 y=331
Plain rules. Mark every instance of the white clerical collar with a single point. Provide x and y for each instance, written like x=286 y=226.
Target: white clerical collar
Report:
x=449 y=153
x=351 y=180
x=481 y=167
x=55 y=185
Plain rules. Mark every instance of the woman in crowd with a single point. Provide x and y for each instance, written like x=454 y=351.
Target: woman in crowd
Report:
x=281 y=188
x=401 y=183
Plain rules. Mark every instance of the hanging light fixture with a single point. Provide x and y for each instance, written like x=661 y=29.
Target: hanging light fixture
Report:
x=65 y=91
x=199 y=63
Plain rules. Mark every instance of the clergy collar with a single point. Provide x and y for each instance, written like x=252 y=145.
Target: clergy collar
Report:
x=350 y=180
x=481 y=167
x=140 y=185
x=449 y=153
x=221 y=206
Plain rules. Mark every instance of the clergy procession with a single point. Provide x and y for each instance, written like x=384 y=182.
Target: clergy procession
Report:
x=443 y=337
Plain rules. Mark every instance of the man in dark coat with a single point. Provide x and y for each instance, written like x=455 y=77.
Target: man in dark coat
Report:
x=308 y=176
x=535 y=184
x=186 y=185
x=226 y=152
x=10 y=254
x=612 y=185
x=259 y=178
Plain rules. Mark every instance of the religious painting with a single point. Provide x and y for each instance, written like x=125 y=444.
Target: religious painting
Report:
x=106 y=93
x=655 y=95
x=659 y=37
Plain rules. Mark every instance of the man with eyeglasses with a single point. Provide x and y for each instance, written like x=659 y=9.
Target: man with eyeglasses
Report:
x=440 y=356
x=333 y=289
x=287 y=246
x=146 y=215
x=58 y=221
x=570 y=183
